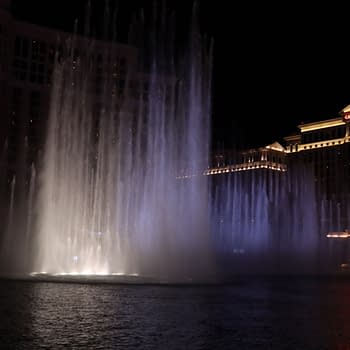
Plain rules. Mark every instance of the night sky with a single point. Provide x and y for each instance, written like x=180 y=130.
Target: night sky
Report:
x=275 y=66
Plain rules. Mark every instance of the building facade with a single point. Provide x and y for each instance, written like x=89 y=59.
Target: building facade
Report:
x=28 y=53
x=323 y=147
x=326 y=146
x=303 y=186
x=271 y=157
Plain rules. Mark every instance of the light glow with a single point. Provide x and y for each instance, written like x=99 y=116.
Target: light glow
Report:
x=84 y=273
x=344 y=234
x=321 y=125
x=38 y=273
x=246 y=166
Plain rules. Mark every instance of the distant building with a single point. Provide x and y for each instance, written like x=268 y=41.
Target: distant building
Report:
x=27 y=58
x=271 y=157
x=322 y=146
x=326 y=146
x=313 y=164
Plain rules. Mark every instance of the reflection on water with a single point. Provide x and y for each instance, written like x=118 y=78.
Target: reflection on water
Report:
x=275 y=313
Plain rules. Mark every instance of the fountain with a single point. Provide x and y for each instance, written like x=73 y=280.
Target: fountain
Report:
x=117 y=191
x=277 y=222
x=120 y=190
x=112 y=197
x=267 y=221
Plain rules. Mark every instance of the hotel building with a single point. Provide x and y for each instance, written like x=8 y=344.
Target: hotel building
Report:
x=325 y=145
x=271 y=157
x=322 y=146
x=318 y=157
x=27 y=60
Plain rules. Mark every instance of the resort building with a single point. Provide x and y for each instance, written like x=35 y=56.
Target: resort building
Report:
x=326 y=146
x=27 y=59
x=322 y=146
x=272 y=157
x=312 y=166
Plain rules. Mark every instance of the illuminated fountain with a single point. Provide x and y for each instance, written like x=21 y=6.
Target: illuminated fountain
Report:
x=267 y=220
x=277 y=221
x=112 y=198
x=117 y=190
x=121 y=190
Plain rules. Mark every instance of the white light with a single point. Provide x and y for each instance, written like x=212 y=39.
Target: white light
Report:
x=344 y=234
x=38 y=273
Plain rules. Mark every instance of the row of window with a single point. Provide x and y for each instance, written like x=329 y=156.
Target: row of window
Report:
x=324 y=134
x=37 y=58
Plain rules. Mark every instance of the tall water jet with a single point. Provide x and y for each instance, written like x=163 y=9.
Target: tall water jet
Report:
x=276 y=220
x=120 y=191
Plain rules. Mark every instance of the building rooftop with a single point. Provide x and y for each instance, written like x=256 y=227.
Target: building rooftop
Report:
x=321 y=124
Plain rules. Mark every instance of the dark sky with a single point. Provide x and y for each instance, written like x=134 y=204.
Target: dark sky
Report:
x=275 y=65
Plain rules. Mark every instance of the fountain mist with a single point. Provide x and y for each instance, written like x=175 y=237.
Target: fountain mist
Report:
x=113 y=197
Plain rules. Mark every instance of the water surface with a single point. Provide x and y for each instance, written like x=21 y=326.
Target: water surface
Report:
x=252 y=313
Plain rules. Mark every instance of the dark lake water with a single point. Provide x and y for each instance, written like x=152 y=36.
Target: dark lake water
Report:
x=252 y=313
